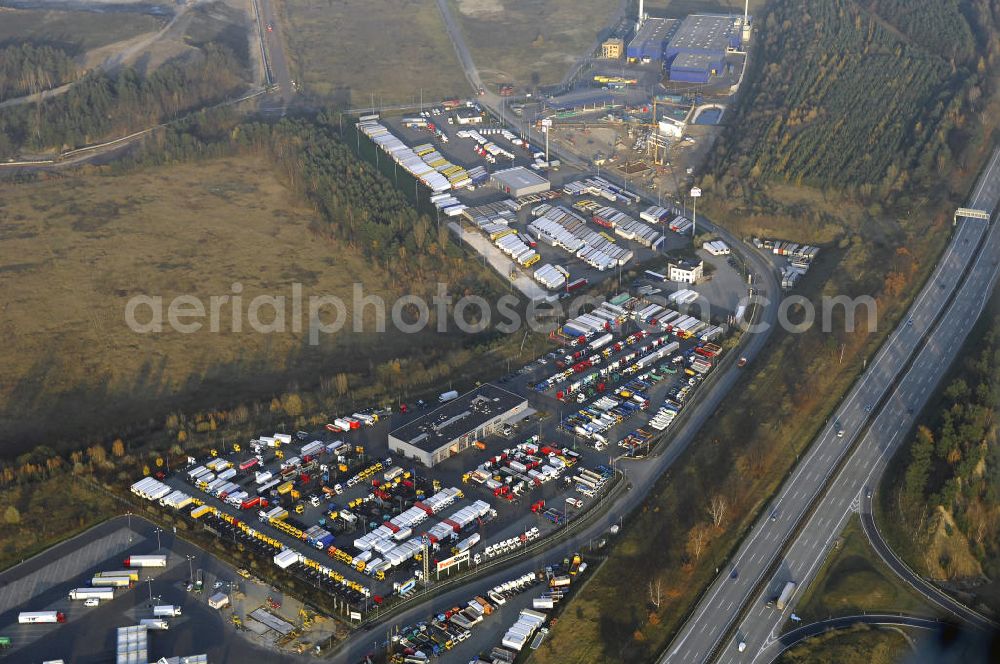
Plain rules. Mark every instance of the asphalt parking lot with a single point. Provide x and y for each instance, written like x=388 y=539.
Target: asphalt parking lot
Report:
x=459 y=151
x=512 y=517
x=43 y=582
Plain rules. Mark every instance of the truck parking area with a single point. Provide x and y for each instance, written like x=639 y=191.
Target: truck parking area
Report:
x=347 y=517
x=625 y=389
x=356 y=506
x=580 y=229
x=99 y=578
x=174 y=602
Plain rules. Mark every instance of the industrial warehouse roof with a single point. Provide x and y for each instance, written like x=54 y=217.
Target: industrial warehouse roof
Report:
x=458 y=417
x=519 y=177
x=703 y=32
x=132 y=645
x=699 y=61
x=651 y=36
x=280 y=626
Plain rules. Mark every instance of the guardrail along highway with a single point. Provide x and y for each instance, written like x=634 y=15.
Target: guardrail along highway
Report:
x=875 y=415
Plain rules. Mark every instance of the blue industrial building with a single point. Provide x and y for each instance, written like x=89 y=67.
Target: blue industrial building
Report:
x=697 y=50
x=696 y=67
x=648 y=43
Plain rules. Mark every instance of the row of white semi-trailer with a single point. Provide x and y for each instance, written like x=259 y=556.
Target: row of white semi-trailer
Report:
x=102 y=588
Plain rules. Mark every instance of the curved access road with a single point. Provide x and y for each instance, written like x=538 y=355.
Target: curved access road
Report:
x=796 y=636
x=277 y=74
x=930 y=591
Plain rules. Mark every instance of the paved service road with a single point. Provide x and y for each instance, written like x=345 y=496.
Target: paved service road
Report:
x=873 y=395
x=641 y=474
x=275 y=63
x=799 y=635
x=902 y=570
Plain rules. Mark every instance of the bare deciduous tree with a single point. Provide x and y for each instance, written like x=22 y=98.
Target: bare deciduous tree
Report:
x=655 y=592
x=697 y=538
x=717 y=509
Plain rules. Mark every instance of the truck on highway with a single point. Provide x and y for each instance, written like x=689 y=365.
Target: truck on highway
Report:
x=786 y=594
x=37 y=617
x=95 y=593
x=156 y=560
x=166 y=611
x=448 y=396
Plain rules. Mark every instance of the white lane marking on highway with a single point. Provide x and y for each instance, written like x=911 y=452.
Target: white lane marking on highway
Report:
x=807 y=542
x=888 y=349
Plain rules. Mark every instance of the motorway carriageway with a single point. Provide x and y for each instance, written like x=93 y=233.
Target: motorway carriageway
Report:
x=724 y=602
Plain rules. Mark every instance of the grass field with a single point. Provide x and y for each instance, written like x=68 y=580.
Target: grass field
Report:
x=530 y=42
x=860 y=645
x=77 y=249
x=853 y=580
x=73 y=31
x=353 y=49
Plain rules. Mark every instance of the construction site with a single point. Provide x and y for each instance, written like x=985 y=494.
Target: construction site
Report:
x=650 y=106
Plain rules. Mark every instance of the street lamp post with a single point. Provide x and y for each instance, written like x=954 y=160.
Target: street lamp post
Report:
x=546 y=125
x=695 y=194
x=157 y=530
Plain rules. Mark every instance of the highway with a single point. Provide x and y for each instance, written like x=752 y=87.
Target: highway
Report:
x=876 y=411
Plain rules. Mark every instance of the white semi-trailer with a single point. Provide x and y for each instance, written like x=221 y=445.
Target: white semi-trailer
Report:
x=154 y=623
x=166 y=611
x=95 y=593
x=35 y=617
x=786 y=594
x=111 y=582
x=156 y=560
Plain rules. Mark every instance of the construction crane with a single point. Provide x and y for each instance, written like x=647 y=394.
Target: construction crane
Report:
x=655 y=140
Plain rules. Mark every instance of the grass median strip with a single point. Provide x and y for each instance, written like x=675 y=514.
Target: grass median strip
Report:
x=853 y=580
